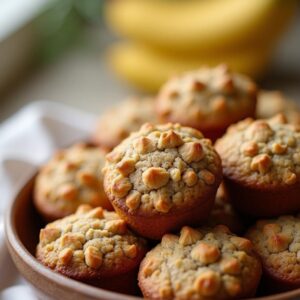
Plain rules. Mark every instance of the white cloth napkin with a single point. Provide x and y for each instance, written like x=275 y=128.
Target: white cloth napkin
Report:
x=26 y=141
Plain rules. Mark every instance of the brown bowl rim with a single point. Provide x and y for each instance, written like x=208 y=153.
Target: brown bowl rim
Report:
x=13 y=240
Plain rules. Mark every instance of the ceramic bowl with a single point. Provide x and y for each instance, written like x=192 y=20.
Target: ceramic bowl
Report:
x=22 y=225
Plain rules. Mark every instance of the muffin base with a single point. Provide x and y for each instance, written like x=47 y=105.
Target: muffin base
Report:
x=273 y=282
x=121 y=279
x=154 y=227
x=124 y=283
x=211 y=132
x=263 y=203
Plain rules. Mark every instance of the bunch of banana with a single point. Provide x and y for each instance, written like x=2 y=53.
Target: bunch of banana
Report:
x=169 y=36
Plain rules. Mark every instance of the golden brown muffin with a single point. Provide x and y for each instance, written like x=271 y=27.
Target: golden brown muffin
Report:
x=261 y=166
x=162 y=177
x=92 y=246
x=72 y=177
x=200 y=264
x=270 y=103
x=117 y=123
x=224 y=214
x=209 y=99
x=277 y=242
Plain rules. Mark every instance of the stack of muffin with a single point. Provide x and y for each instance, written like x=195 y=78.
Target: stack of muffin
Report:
x=183 y=224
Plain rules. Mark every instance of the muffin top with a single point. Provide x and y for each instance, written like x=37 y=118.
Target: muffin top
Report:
x=160 y=168
x=72 y=177
x=270 y=103
x=89 y=244
x=200 y=264
x=277 y=242
x=207 y=98
x=117 y=123
x=261 y=153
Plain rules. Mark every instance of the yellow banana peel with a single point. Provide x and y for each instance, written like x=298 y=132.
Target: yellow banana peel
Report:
x=200 y=25
x=148 y=69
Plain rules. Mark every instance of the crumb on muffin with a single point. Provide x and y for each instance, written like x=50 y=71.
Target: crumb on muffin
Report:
x=162 y=177
x=72 y=177
x=277 y=243
x=261 y=152
x=209 y=99
x=160 y=168
x=270 y=103
x=92 y=243
x=118 y=122
x=200 y=263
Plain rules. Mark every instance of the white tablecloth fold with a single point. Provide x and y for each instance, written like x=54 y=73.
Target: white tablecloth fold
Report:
x=28 y=139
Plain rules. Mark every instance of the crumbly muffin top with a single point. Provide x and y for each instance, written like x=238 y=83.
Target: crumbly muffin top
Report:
x=161 y=167
x=72 y=177
x=91 y=241
x=117 y=123
x=207 y=97
x=277 y=241
x=270 y=103
x=261 y=153
x=200 y=264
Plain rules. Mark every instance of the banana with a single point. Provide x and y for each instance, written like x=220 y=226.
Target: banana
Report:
x=148 y=69
x=200 y=25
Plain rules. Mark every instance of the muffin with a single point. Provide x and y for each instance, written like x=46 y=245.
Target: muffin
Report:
x=162 y=177
x=209 y=100
x=72 y=177
x=93 y=246
x=261 y=166
x=117 y=123
x=277 y=243
x=224 y=214
x=200 y=264
x=270 y=103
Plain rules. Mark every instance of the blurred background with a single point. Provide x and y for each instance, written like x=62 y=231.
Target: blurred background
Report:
x=92 y=53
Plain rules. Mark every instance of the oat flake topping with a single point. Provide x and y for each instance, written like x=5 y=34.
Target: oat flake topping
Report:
x=161 y=167
x=208 y=97
x=87 y=241
x=206 y=263
x=263 y=152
